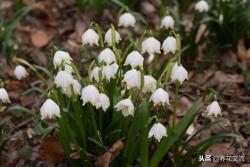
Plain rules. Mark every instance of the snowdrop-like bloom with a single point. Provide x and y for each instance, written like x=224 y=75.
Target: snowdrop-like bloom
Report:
x=90 y=94
x=64 y=80
x=157 y=131
x=126 y=107
x=126 y=20
x=103 y=102
x=107 y=56
x=94 y=74
x=160 y=97
x=76 y=88
x=201 y=6
x=169 y=45
x=132 y=78
x=4 y=97
x=109 y=71
x=67 y=68
x=167 y=22
x=190 y=130
x=214 y=109
x=149 y=84
x=151 y=45
x=134 y=59
x=90 y=37
x=178 y=73
x=61 y=57
x=20 y=72
x=49 y=109
x=108 y=37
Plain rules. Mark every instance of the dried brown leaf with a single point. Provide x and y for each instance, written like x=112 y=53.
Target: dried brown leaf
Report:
x=201 y=30
x=39 y=38
x=242 y=52
x=51 y=150
x=112 y=153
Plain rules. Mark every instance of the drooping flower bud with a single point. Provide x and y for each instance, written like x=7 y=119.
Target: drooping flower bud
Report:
x=90 y=94
x=108 y=37
x=61 y=57
x=202 y=6
x=158 y=131
x=20 y=72
x=149 y=84
x=126 y=20
x=64 y=80
x=104 y=102
x=134 y=59
x=160 y=97
x=49 y=109
x=151 y=46
x=107 y=56
x=167 y=22
x=214 y=109
x=90 y=37
x=169 y=45
x=178 y=73
x=75 y=87
x=95 y=74
x=132 y=78
x=4 y=97
x=109 y=71
x=126 y=107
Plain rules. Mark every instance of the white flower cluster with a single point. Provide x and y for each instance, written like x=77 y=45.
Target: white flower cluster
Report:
x=109 y=68
x=90 y=94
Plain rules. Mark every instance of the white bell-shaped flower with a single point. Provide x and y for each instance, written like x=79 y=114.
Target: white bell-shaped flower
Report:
x=95 y=74
x=160 y=97
x=149 y=84
x=169 y=45
x=20 y=72
x=167 y=22
x=64 y=80
x=61 y=57
x=67 y=67
x=4 y=97
x=75 y=87
x=201 y=6
x=190 y=130
x=90 y=94
x=49 y=109
x=109 y=71
x=178 y=73
x=134 y=59
x=126 y=107
x=214 y=109
x=158 y=131
x=107 y=56
x=126 y=20
x=90 y=37
x=151 y=46
x=108 y=37
x=132 y=78
x=103 y=102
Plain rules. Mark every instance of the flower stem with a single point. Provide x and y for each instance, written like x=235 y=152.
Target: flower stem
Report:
x=175 y=101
